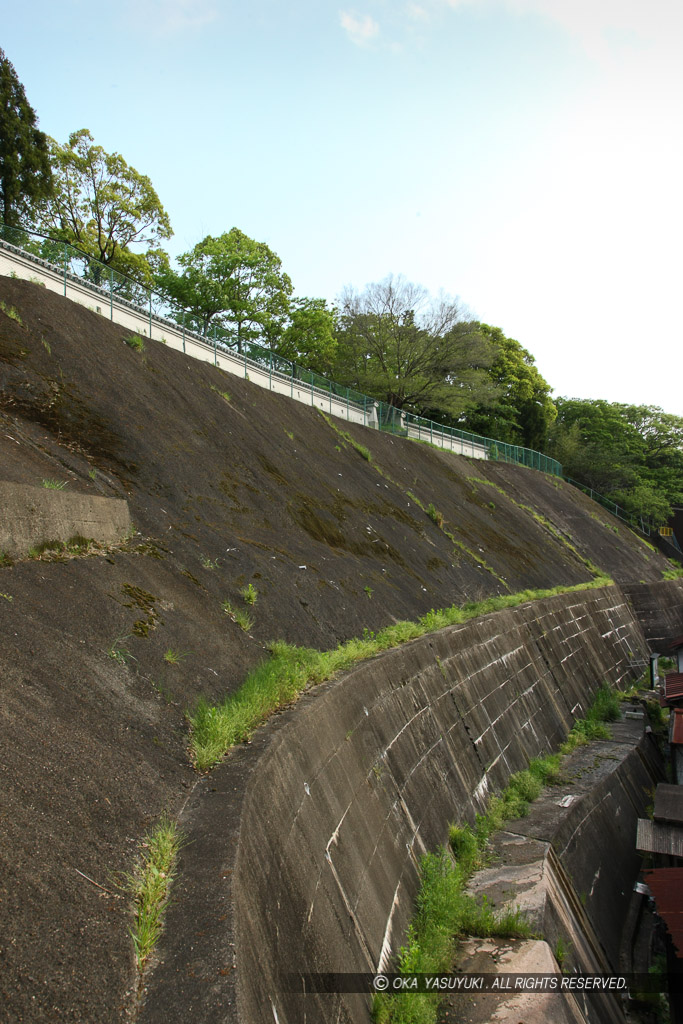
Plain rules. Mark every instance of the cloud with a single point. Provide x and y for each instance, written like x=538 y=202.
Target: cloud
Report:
x=603 y=27
x=361 y=29
x=174 y=16
x=416 y=12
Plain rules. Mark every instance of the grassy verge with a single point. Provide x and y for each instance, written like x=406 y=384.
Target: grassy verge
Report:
x=291 y=670
x=444 y=910
x=151 y=885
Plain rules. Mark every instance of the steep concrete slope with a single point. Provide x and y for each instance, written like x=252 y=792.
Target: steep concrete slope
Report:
x=101 y=655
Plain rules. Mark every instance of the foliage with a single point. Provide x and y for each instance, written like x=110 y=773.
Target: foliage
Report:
x=135 y=342
x=523 y=412
x=309 y=336
x=151 y=884
x=174 y=657
x=103 y=207
x=249 y=594
x=631 y=454
x=243 y=619
x=233 y=282
x=25 y=174
x=416 y=353
x=11 y=312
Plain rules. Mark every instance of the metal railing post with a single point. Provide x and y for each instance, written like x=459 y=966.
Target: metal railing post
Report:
x=65 y=266
x=111 y=294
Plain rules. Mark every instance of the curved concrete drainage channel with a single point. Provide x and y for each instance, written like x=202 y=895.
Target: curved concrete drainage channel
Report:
x=569 y=866
x=303 y=847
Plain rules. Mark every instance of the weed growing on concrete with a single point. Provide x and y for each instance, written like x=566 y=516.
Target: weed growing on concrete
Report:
x=151 y=884
x=289 y=434
x=243 y=619
x=291 y=670
x=174 y=657
x=11 y=312
x=561 y=952
x=368 y=591
x=135 y=342
x=5 y=559
x=436 y=516
x=92 y=473
x=672 y=574
x=249 y=594
x=55 y=485
x=364 y=452
x=605 y=708
x=444 y=911
x=209 y=563
x=119 y=651
x=7 y=597
x=224 y=394
x=46 y=346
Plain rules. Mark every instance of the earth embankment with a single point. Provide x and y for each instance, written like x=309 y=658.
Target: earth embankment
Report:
x=102 y=651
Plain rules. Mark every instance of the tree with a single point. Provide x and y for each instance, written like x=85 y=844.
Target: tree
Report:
x=524 y=411
x=25 y=175
x=309 y=337
x=398 y=344
x=632 y=454
x=234 y=282
x=103 y=207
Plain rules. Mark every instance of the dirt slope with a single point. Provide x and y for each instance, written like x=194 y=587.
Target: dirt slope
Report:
x=227 y=485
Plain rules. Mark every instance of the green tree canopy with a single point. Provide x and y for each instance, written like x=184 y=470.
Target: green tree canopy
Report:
x=234 y=282
x=632 y=454
x=398 y=344
x=523 y=412
x=25 y=174
x=309 y=336
x=103 y=206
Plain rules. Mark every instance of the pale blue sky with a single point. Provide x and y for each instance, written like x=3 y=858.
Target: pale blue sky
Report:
x=522 y=154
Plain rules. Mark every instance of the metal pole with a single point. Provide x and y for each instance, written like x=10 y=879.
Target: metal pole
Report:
x=150 y=314
x=215 y=348
x=270 y=371
x=111 y=294
x=183 y=330
x=65 y=266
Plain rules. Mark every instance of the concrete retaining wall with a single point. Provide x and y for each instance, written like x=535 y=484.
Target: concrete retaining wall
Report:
x=33 y=515
x=303 y=848
x=659 y=609
x=367 y=777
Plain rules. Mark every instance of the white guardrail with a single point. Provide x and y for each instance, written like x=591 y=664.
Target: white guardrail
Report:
x=15 y=262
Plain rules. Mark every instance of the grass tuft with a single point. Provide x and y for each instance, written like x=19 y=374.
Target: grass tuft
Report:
x=135 y=342
x=243 y=619
x=173 y=657
x=249 y=594
x=151 y=884
x=11 y=312
x=55 y=485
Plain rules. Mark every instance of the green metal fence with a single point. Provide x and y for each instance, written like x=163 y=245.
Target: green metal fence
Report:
x=643 y=524
x=113 y=289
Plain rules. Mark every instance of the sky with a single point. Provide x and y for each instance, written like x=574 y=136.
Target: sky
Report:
x=524 y=155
